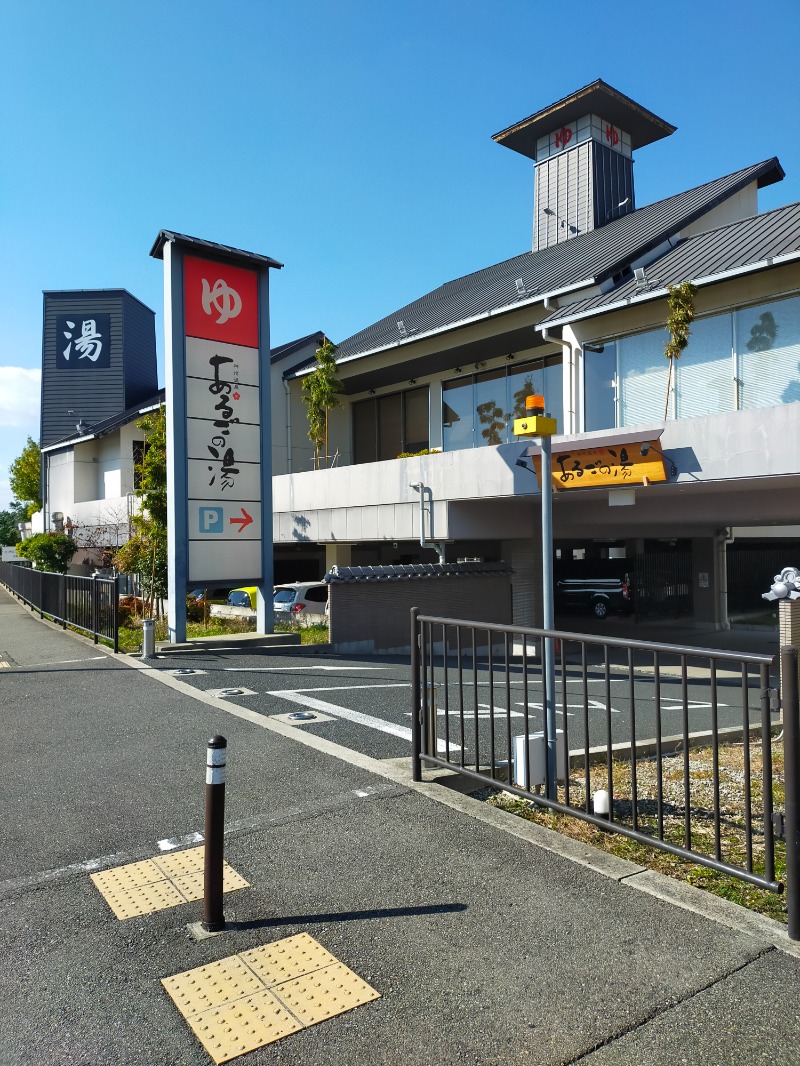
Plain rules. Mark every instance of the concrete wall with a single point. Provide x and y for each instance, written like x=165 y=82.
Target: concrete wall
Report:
x=376 y=615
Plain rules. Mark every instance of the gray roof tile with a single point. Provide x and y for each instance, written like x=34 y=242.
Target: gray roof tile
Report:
x=586 y=259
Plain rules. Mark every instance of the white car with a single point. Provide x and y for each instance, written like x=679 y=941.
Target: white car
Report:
x=300 y=600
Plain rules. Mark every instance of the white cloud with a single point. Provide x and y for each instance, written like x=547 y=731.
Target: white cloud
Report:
x=20 y=399
x=19 y=418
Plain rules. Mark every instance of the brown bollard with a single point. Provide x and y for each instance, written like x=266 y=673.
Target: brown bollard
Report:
x=213 y=918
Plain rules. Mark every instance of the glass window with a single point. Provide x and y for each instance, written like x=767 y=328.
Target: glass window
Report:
x=457 y=414
x=544 y=377
x=768 y=353
x=415 y=420
x=389 y=423
x=704 y=372
x=599 y=374
x=643 y=371
x=385 y=426
x=365 y=432
x=491 y=416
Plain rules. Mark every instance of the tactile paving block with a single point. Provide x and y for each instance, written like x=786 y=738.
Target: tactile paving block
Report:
x=231 y=1011
x=243 y=1026
x=181 y=862
x=330 y=991
x=288 y=958
x=212 y=985
x=155 y=884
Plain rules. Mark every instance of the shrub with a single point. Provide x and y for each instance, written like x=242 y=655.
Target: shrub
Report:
x=129 y=608
x=49 y=551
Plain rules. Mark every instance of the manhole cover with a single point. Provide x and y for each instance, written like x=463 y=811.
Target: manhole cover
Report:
x=184 y=670
x=302 y=716
x=231 y=691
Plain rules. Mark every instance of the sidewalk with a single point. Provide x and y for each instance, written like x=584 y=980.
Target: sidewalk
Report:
x=490 y=940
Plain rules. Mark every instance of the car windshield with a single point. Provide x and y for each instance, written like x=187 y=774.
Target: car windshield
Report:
x=239 y=599
x=283 y=596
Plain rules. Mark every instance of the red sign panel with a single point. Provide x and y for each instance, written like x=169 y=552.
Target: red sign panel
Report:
x=220 y=302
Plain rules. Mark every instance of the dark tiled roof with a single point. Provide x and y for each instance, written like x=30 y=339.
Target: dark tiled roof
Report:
x=738 y=245
x=584 y=260
x=412 y=571
x=285 y=350
x=208 y=248
x=100 y=429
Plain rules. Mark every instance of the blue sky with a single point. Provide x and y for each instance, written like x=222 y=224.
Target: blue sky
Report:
x=350 y=140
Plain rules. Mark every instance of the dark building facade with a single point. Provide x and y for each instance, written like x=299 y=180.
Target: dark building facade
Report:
x=98 y=359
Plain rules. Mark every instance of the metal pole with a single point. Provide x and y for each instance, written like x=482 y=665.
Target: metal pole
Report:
x=213 y=918
x=416 y=701
x=791 y=773
x=547 y=609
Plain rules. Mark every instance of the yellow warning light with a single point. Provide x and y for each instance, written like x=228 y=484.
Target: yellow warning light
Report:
x=534 y=424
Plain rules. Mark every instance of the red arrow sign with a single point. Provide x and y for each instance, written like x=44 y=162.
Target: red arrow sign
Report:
x=242 y=522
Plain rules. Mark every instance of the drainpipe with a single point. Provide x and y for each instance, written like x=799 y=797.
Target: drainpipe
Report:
x=288 y=426
x=722 y=539
x=569 y=426
x=438 y=546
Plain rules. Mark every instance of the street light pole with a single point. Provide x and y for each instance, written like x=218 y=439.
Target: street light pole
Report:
x=535 y=424
x=547 y=615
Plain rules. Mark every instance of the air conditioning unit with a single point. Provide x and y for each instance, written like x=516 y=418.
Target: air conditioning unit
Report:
x=536 y=751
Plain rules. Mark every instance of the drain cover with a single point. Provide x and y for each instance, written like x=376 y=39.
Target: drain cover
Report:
x=231 y=691
x=302 y=716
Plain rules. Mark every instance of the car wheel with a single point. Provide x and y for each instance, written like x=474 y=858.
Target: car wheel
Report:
x=600 y=608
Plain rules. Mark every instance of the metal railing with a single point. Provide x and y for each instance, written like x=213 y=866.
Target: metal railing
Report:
x=90 y=604
x=674 y=742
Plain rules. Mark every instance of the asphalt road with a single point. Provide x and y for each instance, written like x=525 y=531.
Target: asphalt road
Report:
x=365 y=704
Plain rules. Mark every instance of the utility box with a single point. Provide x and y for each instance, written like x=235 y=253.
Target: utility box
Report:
x=538 y=765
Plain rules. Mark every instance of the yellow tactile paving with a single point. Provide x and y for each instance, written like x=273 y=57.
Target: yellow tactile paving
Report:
x=249 y=1000
x=243 y=1026
x=155 y=884
x=288 y=958
x=195 y=991
x=325 y=993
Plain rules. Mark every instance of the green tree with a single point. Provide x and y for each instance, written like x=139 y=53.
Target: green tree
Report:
x=679 y=320
x=321 y=390
x=145 y=554
x=26 y=477
x=9 y=520
x=49 y=551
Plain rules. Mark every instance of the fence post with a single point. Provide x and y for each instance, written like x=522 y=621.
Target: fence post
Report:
x=213 y=918
x=95 y=606
x=791 y=772
x=115 y=612
x=416 y=701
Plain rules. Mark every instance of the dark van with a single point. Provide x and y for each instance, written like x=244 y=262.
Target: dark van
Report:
x=599 y=595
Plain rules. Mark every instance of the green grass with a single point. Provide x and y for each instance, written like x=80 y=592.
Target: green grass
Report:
x=733 y=846
x=130 y=636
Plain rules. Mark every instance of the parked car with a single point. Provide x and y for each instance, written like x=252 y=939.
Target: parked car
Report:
x=599 y=595
x=300 y=600
x=243 y=597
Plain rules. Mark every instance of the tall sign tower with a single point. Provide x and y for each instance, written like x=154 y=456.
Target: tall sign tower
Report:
x=219 y=467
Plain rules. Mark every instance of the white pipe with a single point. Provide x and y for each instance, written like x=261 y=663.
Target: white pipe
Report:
x=419 y=486
x=288 y=426
x=569 y=419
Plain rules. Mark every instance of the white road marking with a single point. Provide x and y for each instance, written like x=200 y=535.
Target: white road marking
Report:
x=295 y=669
x=63 y=662
x=351 y=688
x=301 y=696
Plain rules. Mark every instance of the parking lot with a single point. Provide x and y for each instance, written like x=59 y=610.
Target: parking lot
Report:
x=365 y=703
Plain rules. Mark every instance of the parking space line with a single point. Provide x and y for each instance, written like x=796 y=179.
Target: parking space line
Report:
x=301 y=696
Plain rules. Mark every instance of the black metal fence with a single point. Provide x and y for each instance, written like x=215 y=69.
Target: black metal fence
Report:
x=90 y=604
x=644 y=731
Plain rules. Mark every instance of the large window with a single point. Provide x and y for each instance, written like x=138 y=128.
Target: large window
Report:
x=385 y=426
x=735 y=360
x=480 y=409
